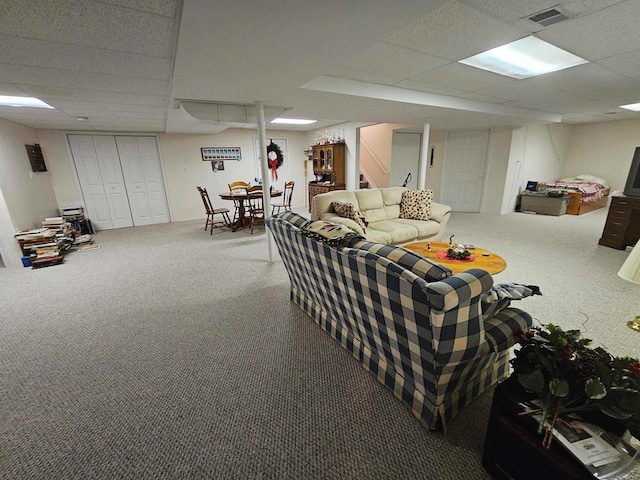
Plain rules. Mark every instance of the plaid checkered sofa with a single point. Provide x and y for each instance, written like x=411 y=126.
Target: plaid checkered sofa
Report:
x=416 y=327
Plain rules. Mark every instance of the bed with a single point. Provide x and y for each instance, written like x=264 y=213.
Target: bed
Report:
x=587 y=192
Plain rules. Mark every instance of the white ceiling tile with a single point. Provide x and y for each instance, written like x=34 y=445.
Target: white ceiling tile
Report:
x=613 y=31
x=91 y=108
x=91 y=24
x=581 y=76
x=474 y=32
x=425 y=87
x=161 y=7
x=10 y=89
x=50 y=96
x=620 y=89
x=461 y=77
x=546 y=98
x=361 y=76
x=26 y=51
x=66 y=79
x=627 y=64
x=393 y=61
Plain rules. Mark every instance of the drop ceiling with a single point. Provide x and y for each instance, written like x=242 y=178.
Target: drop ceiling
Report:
x=127 y=64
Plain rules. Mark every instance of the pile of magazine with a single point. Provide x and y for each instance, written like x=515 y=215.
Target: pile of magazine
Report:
x=603 y=454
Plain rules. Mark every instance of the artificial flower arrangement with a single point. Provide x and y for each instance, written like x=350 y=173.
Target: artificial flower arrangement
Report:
x=569 y=376
x=459 y=251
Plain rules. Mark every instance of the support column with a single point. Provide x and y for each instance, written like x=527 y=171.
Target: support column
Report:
x=425 y=151
x=264 y=169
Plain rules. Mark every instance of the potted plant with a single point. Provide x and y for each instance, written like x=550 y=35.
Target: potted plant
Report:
x=568 y=375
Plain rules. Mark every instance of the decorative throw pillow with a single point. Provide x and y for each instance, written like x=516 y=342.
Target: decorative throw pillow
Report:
x=416 y=204
x=348 y=210
x=332 y=233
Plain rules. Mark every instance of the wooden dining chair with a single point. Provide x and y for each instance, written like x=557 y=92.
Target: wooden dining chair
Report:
x=211 y=212
x=286 y=199
x=238 y=187
x=256 y=206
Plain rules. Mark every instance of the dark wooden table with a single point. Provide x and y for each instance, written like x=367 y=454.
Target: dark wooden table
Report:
x=241 y=201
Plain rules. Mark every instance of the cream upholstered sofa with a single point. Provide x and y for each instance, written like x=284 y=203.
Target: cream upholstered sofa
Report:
x=381 y=209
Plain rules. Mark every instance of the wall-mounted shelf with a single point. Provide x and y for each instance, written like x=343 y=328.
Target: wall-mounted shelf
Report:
x=212 y=154
x=36 y=158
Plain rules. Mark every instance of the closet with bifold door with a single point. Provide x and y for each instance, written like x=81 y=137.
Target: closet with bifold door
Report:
x=121 y=179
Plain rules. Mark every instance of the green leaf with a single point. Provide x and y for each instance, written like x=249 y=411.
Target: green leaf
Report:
x=533 y=382
x=559 y=387
x=602 y=372
x=595 y=389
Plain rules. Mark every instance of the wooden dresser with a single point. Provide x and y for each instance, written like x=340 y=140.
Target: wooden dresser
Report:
x=623 y=223
x=328 y=167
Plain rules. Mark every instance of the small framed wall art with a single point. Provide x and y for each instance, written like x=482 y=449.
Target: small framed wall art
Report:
x=217 y=165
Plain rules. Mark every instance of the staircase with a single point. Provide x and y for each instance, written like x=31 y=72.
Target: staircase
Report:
x=363 y=182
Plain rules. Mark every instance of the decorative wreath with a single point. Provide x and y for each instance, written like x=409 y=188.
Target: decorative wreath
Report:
x=275 y=158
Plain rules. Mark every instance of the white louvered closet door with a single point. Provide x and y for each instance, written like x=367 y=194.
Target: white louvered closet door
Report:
x=100 y=176
x=143 y=178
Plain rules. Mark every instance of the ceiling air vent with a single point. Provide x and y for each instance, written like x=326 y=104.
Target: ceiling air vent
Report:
x=548 y=17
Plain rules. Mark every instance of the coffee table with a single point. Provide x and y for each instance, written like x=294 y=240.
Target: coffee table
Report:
x=483 y=259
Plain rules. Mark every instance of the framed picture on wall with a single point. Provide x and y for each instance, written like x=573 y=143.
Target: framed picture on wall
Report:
x=217 y=165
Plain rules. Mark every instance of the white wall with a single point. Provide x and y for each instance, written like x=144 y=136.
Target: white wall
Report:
x=603 y=149
x=496 y=171
x=184 y=169
x=27 y=197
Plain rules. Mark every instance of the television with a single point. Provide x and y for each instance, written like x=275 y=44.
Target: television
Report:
x=632 y=187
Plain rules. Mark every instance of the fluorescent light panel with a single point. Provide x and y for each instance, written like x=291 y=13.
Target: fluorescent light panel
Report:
x=293 y=121
x=11 y=101
x=524 y=58
x=632 y=106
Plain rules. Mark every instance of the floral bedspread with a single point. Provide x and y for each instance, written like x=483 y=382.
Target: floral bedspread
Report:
x=590 y=191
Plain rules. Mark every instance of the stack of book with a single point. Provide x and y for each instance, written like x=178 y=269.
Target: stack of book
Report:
x=63 y=230
x=40 y=245
x=75 y=216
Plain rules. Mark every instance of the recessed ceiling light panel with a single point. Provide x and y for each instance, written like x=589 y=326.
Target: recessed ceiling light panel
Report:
x=524 y=58
x=293 y=121
x=12 y=101
x=632 y=106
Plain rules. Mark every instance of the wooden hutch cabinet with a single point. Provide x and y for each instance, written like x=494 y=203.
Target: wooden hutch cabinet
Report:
x=328 y=167
x=622 y=228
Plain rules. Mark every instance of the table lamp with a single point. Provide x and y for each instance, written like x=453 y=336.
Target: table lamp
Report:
x=630 y=271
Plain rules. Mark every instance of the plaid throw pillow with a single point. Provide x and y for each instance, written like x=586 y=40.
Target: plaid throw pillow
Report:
x=333 y=234
x=416 y=204
x=348 y=210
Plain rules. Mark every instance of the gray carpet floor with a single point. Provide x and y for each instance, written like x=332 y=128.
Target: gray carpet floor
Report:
x=170 y=353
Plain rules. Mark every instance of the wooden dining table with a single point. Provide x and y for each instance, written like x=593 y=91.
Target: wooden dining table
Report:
x=241 y=200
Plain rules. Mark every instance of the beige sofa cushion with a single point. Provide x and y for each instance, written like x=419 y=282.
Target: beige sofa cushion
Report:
x=425 y=229
x=399 y=233
x=371 y=204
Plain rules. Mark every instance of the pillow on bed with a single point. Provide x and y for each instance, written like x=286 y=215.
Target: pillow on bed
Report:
x=585 y=178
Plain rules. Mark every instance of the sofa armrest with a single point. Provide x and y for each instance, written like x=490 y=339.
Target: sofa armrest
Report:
x=439 y=211
x=501 y=329
x=347 y=222
x=456 y=318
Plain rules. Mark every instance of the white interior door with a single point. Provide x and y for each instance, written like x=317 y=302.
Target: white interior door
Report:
x=405 y=159
x=465 y=163
x=95 y=197
x=143 y=178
